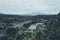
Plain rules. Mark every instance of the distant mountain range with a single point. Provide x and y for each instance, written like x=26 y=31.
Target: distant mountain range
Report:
x=28 y=17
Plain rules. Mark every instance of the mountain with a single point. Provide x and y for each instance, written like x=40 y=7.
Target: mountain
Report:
x=28 y=17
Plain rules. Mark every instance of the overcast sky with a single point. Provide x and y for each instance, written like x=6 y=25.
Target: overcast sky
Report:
x=29 y=6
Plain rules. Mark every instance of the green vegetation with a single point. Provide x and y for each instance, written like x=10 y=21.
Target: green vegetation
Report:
x=50 y=32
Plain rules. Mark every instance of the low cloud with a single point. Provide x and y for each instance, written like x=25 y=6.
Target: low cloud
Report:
x=29 y=6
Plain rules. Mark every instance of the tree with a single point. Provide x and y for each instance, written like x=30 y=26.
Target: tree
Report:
x=11 y=32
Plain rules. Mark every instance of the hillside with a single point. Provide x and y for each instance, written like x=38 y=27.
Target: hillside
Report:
x=18 y=27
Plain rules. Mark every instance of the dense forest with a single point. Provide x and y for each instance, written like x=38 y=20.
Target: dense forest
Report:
x=9 y=27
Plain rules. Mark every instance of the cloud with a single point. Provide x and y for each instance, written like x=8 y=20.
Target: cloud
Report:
x=29 y=6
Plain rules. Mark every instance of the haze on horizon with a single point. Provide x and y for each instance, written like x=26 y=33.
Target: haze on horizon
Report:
x=29 y=7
